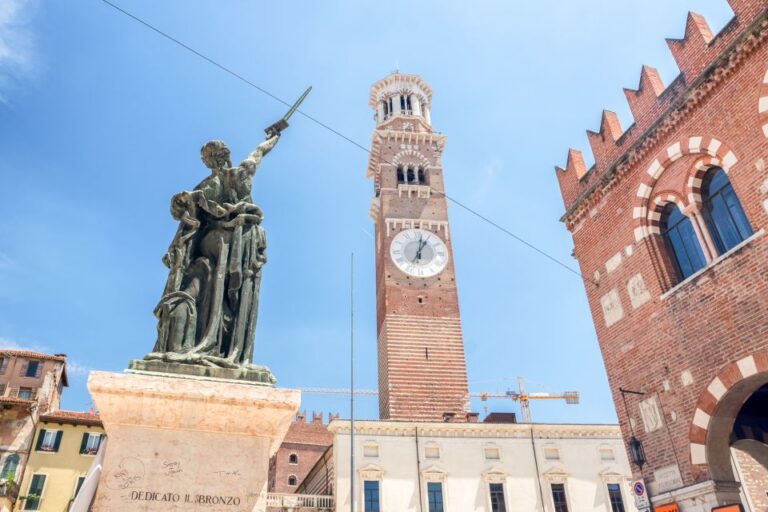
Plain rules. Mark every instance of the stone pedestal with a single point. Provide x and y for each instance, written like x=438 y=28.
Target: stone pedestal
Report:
x=179 y=443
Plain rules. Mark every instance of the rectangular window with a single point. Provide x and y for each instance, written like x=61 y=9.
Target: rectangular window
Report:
x=435 y=496
x=371 y=495
x=32 y=369
x=78 y=485
x=432 y=452
x=26 y=393
x=3 y=362
x=551 y=454
x=35 y=493
x=614 y=494
x=371 y=450
x=492 y=454
x=606 y=454
x=558 y=498
x=497 y=498
x=48 y=440
x=90 y=443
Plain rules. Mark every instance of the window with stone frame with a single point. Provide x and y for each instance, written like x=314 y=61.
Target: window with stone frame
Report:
x=498 y=503
x=293 y=459
x=559 y=499
x=292 y=480
x=10 y=464
x=681 y=241
x=26 y=393
x=615 y=497
x=34 y=495
x=435 y=496
x=552 y=453
x=725 y=218
x=371 y=497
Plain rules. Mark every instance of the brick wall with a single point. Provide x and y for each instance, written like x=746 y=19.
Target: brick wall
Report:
x=665 y=339
x=308 y=441
x=422 y=367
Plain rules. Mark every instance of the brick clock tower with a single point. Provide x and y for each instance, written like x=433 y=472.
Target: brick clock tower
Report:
x=422 y=369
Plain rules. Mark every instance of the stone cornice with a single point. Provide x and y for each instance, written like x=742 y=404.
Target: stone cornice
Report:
x=699 y=90
x=477 y=430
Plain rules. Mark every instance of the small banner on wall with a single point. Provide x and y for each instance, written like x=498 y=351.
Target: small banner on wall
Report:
x=729 y=508
x=670 y=507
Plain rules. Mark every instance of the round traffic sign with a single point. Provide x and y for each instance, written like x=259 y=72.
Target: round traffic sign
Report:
x=639 y=489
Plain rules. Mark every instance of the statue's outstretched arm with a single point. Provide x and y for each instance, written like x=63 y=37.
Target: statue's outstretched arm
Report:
x=253 y=160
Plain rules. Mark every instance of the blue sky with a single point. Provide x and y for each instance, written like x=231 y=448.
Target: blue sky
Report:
x=101 y=121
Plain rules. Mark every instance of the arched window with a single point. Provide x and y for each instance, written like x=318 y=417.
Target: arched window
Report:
x=681 y=241
x=389 y=104
x=408 y=106
x=411 y=176
x=292 y=480
x=9 y=467
x=402 y=103
x=722 y=210
x=400 y=175
x=293 y=459
x=422 y=177
x=386 y=109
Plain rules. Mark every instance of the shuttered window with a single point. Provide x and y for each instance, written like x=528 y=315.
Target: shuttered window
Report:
x=49 y=440
x=90 y=443
x=35 y=493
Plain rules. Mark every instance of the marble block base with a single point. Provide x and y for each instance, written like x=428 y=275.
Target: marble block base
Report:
x=187 y=443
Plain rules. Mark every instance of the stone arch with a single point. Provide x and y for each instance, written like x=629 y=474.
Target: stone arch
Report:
x=762 y=105
x=688 y=146
x=717 y=408
x=412 y=157
x=656 y=207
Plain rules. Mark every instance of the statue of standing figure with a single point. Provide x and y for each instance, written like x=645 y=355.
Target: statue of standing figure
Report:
x=207 y=314
x=206 y=318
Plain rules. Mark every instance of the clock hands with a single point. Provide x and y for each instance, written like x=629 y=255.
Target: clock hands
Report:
x=422 y=244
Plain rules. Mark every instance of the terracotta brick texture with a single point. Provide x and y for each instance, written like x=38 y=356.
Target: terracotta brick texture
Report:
x=422 y=368
x=307 y=441
x=668 y=338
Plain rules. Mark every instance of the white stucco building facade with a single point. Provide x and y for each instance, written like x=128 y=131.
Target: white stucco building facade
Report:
x=472 y=467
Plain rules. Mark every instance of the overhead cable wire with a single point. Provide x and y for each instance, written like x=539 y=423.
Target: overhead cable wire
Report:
x=338 y=133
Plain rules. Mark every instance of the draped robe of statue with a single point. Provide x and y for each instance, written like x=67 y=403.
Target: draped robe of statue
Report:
x=207 y=314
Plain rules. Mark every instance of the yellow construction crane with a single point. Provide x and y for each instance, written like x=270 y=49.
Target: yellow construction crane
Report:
x=570 y=397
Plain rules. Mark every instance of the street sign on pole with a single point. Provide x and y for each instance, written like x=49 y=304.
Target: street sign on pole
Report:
x=642 y=502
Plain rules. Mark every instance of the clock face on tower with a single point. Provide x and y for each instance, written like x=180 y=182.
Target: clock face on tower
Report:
x=419 y=253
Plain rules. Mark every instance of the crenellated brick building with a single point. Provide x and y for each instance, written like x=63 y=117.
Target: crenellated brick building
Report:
x=302 y=447
x=668 y=228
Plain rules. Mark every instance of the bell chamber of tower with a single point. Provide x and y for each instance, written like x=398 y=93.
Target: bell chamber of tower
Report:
x=421 y=363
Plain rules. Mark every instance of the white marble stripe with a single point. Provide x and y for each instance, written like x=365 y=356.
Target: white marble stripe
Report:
x=729 y=160
x=694 y=144
x=765 y=129
x=716 y=388
x=701 y=419
x=698 y=453
x=638 y=212
x=655 y=169
x=714 y=145
x=765 y=80
x=674 y=152
x=747 y=366
x=655 y=230
x=643 y=191
x=762 y=106
x=654 y=215
x=639 y=233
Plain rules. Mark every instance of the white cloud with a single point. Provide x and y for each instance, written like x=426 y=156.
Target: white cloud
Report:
x=17 y=56
x=8 y=343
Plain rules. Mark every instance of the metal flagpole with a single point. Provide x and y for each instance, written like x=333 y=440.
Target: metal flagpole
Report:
x=352 y=382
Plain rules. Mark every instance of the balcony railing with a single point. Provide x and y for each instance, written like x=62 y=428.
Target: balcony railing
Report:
x=299 y=502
